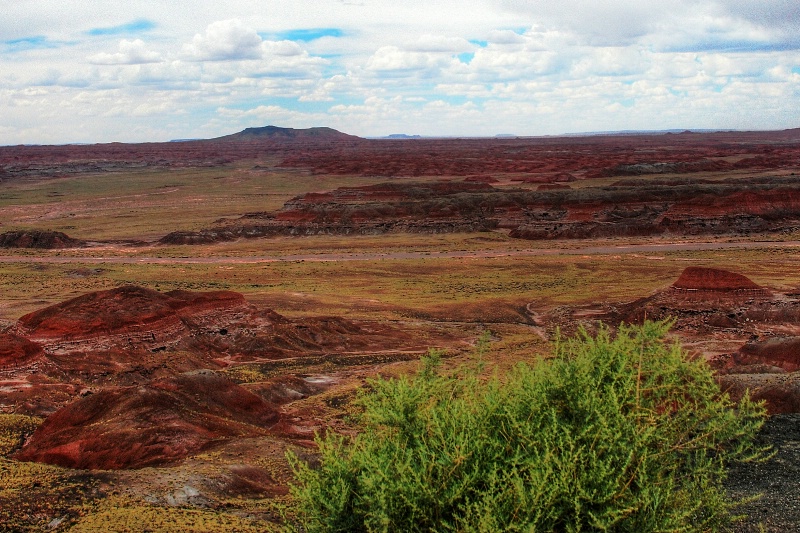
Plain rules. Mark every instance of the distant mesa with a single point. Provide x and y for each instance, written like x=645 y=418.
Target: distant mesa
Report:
x=275 y=133
x=713 y=279
x=46 y=240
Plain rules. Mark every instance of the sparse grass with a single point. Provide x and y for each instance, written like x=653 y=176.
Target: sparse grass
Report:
x=13 y=431
x=32 y=494
x=147 y=204
x=121 y=515
x=462 y=289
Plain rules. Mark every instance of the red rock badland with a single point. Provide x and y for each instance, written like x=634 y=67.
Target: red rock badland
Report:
x=128 y=375
x=742 y=206
x=148 y=425
x=548 y=159
x=677 y=204
x=714 y=309
x=713 y=279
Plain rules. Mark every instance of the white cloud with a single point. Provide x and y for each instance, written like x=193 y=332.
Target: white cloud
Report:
x=130 y=53
x=440 y=44
x=225 y=40
x=392 y=59
x=451 y=67
x=283 y=48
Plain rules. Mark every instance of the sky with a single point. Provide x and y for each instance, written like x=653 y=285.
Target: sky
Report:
x=147 y=70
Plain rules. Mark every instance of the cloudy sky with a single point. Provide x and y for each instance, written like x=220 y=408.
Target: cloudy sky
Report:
x=148 y=70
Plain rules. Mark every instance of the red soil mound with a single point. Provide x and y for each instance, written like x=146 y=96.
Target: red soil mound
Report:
x=16 y=350
x=713 y=279
x=120 y=310
x=160 y=423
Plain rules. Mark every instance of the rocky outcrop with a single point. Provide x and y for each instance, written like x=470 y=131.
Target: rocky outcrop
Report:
x=49 y=240
x=780 y=352
x=159 y=423
x=768 y=368
x=550 y=212
x=780 y=391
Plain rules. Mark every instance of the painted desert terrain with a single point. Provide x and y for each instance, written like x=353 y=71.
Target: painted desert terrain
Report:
x=175 y=317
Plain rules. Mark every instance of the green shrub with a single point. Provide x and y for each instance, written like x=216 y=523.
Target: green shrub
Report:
x=614 y=433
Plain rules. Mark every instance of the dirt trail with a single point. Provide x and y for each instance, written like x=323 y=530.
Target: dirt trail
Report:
x=374 y=256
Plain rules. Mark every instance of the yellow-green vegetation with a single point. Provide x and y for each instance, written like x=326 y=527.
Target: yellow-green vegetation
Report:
x=623 y=434
x=32 y=494
x=121 y=515
x=246 y=374
x=468 y=289
x=13 y=431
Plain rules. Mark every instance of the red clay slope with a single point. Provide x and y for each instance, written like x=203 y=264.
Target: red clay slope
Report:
x=713 y=279
x=120 y=310
x=16 y=351
x=159 y=423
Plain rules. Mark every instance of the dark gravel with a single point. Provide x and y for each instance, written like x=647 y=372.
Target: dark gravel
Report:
x=777 y=480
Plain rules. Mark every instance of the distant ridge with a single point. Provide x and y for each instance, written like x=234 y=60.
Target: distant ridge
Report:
x=288 y=134
x=402 y=136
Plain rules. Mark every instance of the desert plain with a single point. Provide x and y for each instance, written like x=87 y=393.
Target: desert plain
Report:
x=175 y=316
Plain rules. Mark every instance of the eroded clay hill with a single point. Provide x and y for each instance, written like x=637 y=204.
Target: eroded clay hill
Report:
x=714 y=280
x=132 y=377
x=741 y=206
x=132 y=335
x=154 y=424
x=750 y=334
